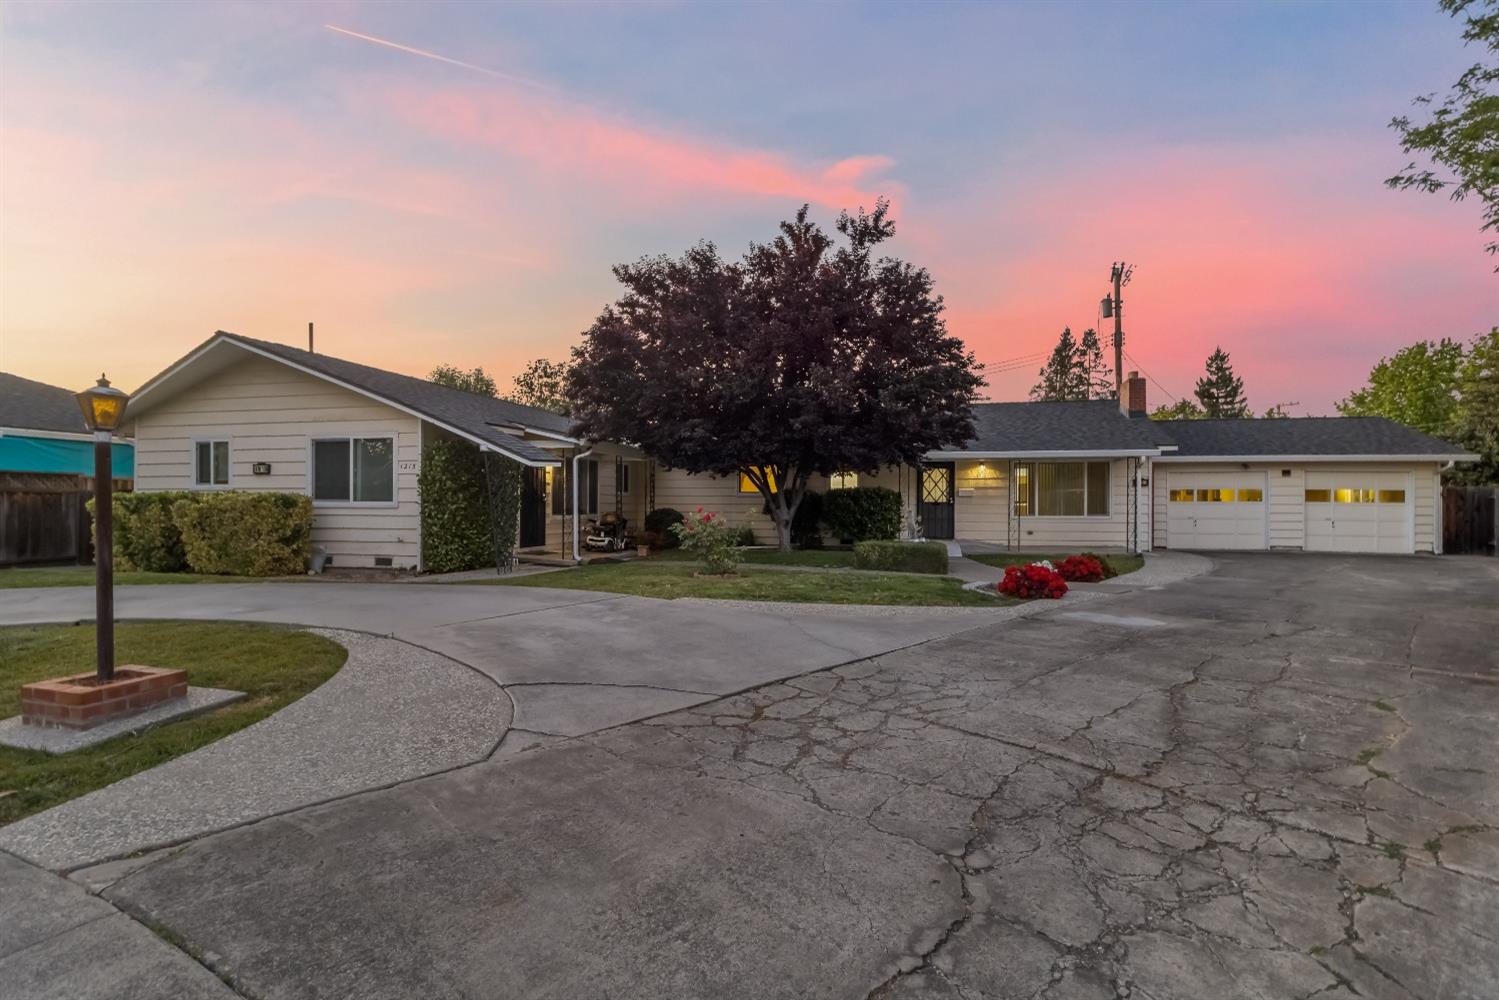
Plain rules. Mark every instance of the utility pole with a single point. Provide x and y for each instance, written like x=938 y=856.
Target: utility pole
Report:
x=1113 y=305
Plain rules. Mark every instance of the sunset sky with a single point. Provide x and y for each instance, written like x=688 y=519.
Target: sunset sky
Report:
x=172 y=169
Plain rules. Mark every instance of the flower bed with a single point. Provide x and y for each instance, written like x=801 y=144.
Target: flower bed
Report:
x=1031 y=581
x=1082 y=569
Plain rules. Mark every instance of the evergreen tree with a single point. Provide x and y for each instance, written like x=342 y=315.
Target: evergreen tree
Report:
x=1220 y=391
x=1096 y=373
x=1063 y=376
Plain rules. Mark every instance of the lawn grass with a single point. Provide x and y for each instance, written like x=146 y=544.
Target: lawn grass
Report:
x=272 y=664
x=83 y=576
x=679 y=579
x=1123 y=562
x=817 y=558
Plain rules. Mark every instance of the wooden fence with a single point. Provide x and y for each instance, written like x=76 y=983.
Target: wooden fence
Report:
x=1468 y=520
x=45 y=519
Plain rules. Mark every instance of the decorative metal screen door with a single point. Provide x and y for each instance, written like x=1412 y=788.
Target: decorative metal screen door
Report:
x=934 y=500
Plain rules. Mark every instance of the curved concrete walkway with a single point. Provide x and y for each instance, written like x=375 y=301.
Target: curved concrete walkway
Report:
x=390 y=714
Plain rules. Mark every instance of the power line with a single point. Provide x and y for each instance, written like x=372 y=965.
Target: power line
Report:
x=1152 y=378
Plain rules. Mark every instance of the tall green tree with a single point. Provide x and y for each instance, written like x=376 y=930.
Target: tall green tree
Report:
x=1417 y=387
x=1220 y=391
x=468 y=380
x=1063 y=376
x=542 y=384
x=1461 y=134
x=1475 y=423
x=806 y=357
x=1096 y=373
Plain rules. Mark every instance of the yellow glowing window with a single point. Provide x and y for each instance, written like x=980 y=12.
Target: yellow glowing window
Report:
x=745 y=486
x=1352 y=496
x=1319 y=496
x=843 y=480
x=1215 y=496
x=1392 y=496
x=1251 y=496
x=1181 y=496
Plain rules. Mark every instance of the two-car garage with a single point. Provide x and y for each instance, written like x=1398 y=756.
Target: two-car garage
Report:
x=1347 y=509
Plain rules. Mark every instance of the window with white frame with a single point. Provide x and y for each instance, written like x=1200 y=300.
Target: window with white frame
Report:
x=211 y=463
x=354 y=470
x=1062 y=489
x=843 y=480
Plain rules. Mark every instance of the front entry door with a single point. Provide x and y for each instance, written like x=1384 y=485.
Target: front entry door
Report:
x=934 y=500
x=533 y=508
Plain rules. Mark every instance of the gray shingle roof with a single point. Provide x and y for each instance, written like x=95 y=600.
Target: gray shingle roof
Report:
x=480 y=416
x=1092 y=425
x=1339 y=436
x=38 y=406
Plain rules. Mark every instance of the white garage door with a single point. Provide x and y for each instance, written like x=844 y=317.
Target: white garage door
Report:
x=1359 y=512
x=1216 y=510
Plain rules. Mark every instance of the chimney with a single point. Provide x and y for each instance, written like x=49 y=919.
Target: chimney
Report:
x=1132 y=399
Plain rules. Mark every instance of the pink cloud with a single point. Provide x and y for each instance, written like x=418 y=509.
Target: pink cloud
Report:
x=610 y=152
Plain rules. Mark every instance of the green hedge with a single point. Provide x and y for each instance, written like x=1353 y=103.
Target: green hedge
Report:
x=901 y=557
x=862 y=513
x=658 y=533
x=240 y=533
x=455 y=508
x=146 y=536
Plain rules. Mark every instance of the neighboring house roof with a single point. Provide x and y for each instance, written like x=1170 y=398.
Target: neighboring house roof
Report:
x=481 y=419
x=1343 y=438
x=29 y=405
x=1094 y=427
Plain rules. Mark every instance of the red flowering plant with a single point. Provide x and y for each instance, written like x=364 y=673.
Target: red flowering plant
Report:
x=711 y=538
x=1082 y=569
x=1033 y=580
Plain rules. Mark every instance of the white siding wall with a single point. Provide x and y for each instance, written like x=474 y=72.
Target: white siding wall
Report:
x=984 y=497
x=270 y=413
x=686 y=492
x=1287 y=494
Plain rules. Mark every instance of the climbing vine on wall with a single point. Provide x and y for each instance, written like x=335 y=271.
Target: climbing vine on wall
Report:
x=455 y=508
x=504 y=479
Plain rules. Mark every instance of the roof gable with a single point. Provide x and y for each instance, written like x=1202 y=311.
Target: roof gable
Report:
x=480 y=419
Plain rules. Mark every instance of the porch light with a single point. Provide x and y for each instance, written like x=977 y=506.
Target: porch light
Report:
x=103 y=406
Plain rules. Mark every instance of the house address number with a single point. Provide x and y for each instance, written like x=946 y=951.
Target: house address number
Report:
x=407 y=466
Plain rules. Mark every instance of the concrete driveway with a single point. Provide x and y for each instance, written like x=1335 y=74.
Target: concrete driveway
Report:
x=1277 y=780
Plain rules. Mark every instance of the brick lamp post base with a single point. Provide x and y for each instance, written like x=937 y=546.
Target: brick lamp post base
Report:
x=81 y=701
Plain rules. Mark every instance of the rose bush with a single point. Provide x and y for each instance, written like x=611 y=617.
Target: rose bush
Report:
x=1082 y=569
x=711 y=538
x=1032 y=580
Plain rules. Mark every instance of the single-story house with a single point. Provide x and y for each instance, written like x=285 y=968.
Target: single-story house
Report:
x=240 y=413
x=47 y=473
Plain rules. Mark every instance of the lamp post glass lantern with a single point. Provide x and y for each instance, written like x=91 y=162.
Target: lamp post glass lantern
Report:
x=103 y=409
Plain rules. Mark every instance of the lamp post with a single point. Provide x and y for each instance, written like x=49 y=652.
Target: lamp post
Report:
x=103 y=410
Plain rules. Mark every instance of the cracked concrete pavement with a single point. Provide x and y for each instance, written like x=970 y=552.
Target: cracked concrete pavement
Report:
x=1278 y=780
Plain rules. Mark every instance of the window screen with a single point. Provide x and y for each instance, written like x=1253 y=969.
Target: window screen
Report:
x=1059 y=489
x=1098 y=489
x=330 y=470
x=211 y=463
x=588 y=487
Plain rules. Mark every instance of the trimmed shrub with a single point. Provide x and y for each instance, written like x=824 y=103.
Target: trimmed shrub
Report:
x=1081 y=569
x=901 y=557
x=658 y=525
x=745 y=536
x=711 y=538
x=456 y=532
x=246 y=534
x=1033 y=580
x=862 y=513
x=503 y=479
x=146 y=536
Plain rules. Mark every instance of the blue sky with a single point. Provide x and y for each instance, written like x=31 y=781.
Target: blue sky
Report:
x=176 y=168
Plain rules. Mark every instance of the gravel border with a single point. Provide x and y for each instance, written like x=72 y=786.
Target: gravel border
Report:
x=393 y=712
